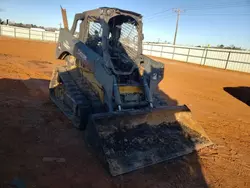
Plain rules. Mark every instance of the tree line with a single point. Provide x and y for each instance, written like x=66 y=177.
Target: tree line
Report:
x=7 y=22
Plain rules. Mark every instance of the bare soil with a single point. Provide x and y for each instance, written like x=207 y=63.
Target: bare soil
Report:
x=33 y=128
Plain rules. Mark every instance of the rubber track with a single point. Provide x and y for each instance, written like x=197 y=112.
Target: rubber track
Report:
x=75 y=97
x=86 y=88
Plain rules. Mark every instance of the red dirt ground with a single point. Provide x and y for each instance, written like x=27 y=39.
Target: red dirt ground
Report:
x=32 y=127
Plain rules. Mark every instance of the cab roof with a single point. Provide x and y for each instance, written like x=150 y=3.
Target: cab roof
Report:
x=99 y=11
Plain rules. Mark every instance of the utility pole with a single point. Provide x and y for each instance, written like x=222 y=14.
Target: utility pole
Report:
x=178 y=11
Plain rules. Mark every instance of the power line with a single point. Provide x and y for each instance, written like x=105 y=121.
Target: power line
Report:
x=197 y=14
x=200 y=8
x=159 y=17
x=240 y=3
x=204 y=7
x=217 y=7
x=215 y=14
x=157 y=13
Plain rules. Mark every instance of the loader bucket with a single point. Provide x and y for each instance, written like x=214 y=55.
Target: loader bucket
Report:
x=131 y=140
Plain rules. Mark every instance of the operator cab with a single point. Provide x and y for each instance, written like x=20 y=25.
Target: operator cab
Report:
x=123 y=42
x=114 y=34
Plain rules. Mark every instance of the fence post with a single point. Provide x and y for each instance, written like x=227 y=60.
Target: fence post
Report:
x=14 y=32
x=202 y=55
x=42 y=35
x=29 y=33
x=188 y=54
x=173 y=53
x=151 y=49
x=161 y=50
x=55 y=37
x=0 y=30
x=205 y=57
x=227 y=59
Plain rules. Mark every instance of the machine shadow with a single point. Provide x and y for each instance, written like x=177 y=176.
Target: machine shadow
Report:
x=180 y=172
x=27 y=88
x=241 y=93
x=22 y=106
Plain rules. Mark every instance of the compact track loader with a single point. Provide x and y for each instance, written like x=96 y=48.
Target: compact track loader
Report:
x=109 y=89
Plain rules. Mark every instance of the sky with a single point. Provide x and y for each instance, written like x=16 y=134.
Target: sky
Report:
x=212 y=22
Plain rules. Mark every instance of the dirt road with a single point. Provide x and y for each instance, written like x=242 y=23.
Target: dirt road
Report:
x=33 y=128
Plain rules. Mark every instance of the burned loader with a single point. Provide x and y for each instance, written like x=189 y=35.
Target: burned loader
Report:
x=109 y=89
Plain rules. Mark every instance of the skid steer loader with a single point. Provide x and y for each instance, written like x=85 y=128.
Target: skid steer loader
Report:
x=109 y=89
